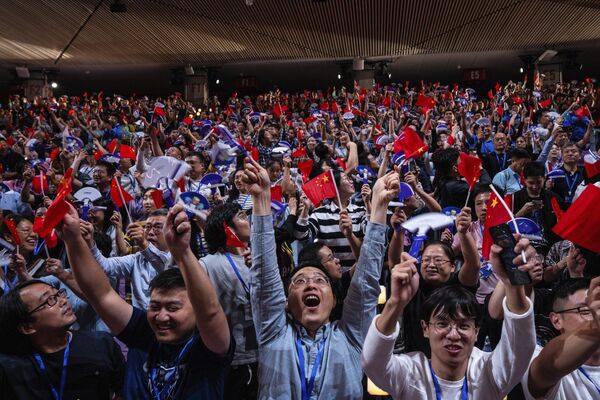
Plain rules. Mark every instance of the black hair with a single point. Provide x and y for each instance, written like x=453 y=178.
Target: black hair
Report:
x=479 y=189
x=567 y=288
x=234 y=192
x=444 y=160
x=16 y=218
x=167 y=279
x=520 y=154
x=273 y=161
x=287 y=280
x=322 y=150
x=214 y=234
x=110 y=208
x=448 y=252
x=159 y=212
x=309 y=255
x=13 y=314
x=110 y=167
x=534 y=168
x=451 y=302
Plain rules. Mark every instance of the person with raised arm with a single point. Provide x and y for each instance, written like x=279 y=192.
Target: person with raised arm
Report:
x=302 y=354
x=181 y=346
x=451 y=316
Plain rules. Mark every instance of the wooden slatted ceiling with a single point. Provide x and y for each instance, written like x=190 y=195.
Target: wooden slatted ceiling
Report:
x=213 y=32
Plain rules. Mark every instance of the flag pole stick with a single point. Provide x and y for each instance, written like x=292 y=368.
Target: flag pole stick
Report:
x=337 y=192
x=123 y=200
x=42 y=184
x=512 y=217
x=468 y=195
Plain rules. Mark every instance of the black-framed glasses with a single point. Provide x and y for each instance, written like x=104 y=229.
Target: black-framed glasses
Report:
x=584 y=311
x=155 y=228
x=51 y=300
x=437 y=261
x=462 y=327
x=318 y=279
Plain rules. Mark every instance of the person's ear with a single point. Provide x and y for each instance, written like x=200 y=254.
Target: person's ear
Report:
x=425 y=327
x=26 y=329
x=556 y=321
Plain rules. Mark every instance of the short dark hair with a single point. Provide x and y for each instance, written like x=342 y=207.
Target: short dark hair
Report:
x=448 y=252
x=450 y=301
x=309 y=255
x=534 y=168
x=13 y=314
x=444 y=160
x=110 y=167
x=167 y=279
x=214 y=234
x=567 y=288
x=16 y=218
x=571 y=144
x=159 y=212
x=479 y=189
x=520 y=154
x=287 y=280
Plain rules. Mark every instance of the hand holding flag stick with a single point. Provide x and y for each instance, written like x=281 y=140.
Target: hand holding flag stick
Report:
x=470 y=168
x=508 y=211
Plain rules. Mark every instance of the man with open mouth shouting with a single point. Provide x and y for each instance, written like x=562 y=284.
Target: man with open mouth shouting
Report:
x=297 y=342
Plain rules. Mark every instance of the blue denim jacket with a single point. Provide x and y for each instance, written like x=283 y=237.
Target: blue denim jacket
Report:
x=339 y=375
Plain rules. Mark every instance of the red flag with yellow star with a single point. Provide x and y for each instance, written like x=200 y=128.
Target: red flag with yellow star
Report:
x=410 y=143
x=496 y=214
x=469 y=167
x=320 y=188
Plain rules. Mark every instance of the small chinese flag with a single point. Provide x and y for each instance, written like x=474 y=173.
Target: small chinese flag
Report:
x=305 y=167
x=157 y=197
x=578 y=224
x=425 y=102
x=469 y=167
x=231 y=238
x=59 y=206
x=410 y=143
x=496 y=214
x=320 y=188
x=276 y=193
x=115 y=194
x=546 y=103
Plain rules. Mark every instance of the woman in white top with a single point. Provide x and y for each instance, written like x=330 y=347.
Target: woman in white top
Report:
x=451 y=315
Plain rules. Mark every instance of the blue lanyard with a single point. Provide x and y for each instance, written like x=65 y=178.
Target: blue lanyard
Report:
x=503 y=160
x=589 y=378
x=237 y=272
x=307 y=387
x=8 y=285
x=38 y=247
x=571 y=184
x=464 y=393
x=245 y=200
x=158 y=394
x=63 y=375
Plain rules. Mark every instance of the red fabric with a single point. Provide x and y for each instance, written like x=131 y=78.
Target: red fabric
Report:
x=278 y=109
x=232 y=239
x=10 y=224
x=116 y=196
x=558 y=212
x=128 y=152
x=277 y=193
x=517 y=100
x=188 y=121
x=301 y=152
x=112 y=145
x=334 y=107
x=582 y=112
x=470 y=168
x=341 y=163
x=159 y=112
x=425 y=102
x=578 y=224
x=410 y=143
x=490 y=94
x=54 y=153
x=498 y=87
x=325 y=106
x=52 y=239
x=500 y=110
x=546 y=103
x=38 y=183
x=254 y=153
x=181 y=184
x=59 y=206
x=320 y=188
x=496 y=215
x=157 y=197
x=591 y=169
x=305 y=167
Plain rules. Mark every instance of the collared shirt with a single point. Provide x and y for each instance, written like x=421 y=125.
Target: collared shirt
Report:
x=140 y=268
x=340 y=373
x=508 y=181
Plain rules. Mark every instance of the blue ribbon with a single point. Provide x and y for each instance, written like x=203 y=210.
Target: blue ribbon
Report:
x=158 y=394
x=571 y=184
x=464 y=393
x=307 y=387
x=503 y=161
x=589 y=378
x=63 y=375
x=237 y=273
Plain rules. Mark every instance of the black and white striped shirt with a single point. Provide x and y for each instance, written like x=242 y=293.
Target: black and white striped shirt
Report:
x=324 y=225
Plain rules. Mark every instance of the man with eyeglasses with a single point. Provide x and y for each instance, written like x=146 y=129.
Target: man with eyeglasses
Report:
x=140 y=267
x=41 y=358
x=301 y=353
x=450 y=321
x=499 y=159
x=568 y=367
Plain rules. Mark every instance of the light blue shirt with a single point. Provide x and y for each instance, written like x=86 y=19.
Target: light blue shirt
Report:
x=339 y=375
x=508 y=181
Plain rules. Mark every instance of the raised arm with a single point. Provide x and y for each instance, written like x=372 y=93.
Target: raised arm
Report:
x=210 y=318
x=266 y=289
x=565 y=353
x=94 y=284
x=361 y=301
x=469 y=272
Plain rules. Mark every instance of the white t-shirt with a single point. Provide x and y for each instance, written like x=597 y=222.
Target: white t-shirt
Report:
x=574 y=386
x=489 y=375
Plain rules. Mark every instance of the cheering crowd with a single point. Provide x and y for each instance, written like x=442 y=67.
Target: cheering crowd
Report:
x=410 y=241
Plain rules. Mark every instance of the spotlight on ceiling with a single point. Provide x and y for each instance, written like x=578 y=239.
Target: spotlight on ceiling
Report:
x=118 y=7
x=218 y=81
x=521 y=70
x=390 y=75
x=53 y=85
x=339 y=76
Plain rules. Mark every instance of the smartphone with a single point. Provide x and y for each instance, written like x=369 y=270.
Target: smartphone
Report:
x=504 y=238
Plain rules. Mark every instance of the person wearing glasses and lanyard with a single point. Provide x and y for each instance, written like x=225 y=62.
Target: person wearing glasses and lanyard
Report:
x=568 y=367
x=302 y=355
x=41 y=358
x=230 y=276
x=450 y=321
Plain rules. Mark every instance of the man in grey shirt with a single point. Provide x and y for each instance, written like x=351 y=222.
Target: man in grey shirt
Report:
x=297 y=343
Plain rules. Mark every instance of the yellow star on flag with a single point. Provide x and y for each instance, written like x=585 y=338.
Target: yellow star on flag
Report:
x=494 y=202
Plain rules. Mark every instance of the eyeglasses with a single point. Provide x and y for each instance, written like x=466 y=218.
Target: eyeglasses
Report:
x=445 y=327
x=155 y=228
x=302 y=280
x=584 y=311
x=51 y=300
x=437 y=261
x=329 y=258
